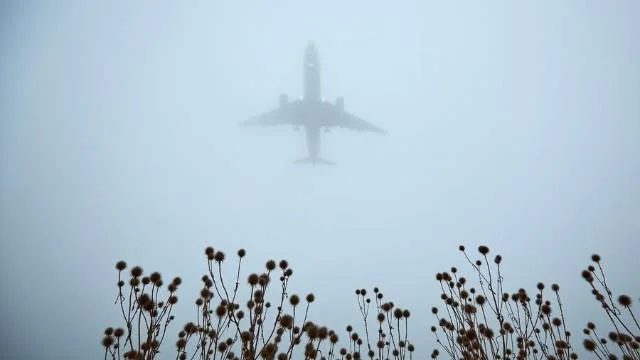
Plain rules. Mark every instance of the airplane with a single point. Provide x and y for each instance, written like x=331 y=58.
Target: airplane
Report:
x=311 y=112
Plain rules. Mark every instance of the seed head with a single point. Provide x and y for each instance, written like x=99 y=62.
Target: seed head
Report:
x=246 y=336
x=483 y=250
x=310 y=298
x=241 y=253
x=253 y=279
x=136 y=271
x=221 y=311
x=205 y=293
x=121 y=265
x=107 y=341
x=288 y=272
x=270 y=265
x=258 y=296
x=286 y=321
x=155 y=277
x=586 y=274
x=294 y=300
x=263 y=279
x=397 y=313
x=624 y=300
x=210 y=252
x=219 y=256
x=595 y=258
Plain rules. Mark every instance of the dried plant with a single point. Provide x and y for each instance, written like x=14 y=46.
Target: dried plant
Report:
x=147 y=315
x=391 y=339
x=625 y=335
x=480 y=321
x=222 y=329
x=485 y=322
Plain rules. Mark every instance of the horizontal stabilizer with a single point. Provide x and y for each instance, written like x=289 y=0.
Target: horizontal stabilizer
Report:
x=313 y=161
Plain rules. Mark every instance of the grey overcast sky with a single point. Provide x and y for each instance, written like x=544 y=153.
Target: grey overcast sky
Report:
x=512 y=124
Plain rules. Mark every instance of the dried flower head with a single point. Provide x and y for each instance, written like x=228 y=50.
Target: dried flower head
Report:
x=136 y=271
x=253 y=279
x=283 y=264
x=155 y=277
x=624 y=300
x=270 y=265
x=288 y=272
x=219 y=256
x=121 y=265
x=107 y=341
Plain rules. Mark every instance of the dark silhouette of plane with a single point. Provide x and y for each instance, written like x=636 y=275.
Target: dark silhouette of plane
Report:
x=311 y=112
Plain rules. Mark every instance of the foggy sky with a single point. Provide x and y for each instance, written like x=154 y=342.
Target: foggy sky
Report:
x=514 y=125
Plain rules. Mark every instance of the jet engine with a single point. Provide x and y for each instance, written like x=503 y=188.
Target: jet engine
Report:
x=340 y=103
x=283 y=99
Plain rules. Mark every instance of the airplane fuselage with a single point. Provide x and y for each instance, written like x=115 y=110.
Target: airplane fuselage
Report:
x=311 y=74
x=311 y=99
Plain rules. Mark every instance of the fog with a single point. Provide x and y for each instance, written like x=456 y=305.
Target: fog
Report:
x=514 y=125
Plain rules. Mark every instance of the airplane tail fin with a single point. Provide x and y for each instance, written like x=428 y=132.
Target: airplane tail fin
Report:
x=313 y=161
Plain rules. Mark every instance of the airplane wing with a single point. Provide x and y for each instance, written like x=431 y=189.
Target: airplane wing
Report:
x=340 y=118
x=286 y=114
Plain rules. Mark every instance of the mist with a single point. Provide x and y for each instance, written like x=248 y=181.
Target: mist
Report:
x=513 y=125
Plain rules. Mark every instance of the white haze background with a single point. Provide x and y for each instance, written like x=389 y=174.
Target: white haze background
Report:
x=512 y=124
